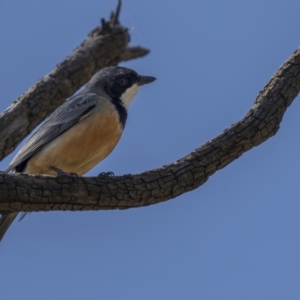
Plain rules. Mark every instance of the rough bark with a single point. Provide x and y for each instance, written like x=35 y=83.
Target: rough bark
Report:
x=43 y=193
x=104 y=46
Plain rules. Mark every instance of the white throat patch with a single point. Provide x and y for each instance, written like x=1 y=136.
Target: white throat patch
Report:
x=129 y=94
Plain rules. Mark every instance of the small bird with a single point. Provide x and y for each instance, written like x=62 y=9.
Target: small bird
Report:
x=82 y=131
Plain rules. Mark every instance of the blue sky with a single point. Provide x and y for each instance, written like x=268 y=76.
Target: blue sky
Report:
x=237 y=236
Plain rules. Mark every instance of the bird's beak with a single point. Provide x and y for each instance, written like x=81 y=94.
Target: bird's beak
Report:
x=145 y=80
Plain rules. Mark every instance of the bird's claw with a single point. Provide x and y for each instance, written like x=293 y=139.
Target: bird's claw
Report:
x=62 y=173
x=109 y=174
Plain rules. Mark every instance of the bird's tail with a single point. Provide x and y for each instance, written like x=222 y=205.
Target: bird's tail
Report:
x=5 y=222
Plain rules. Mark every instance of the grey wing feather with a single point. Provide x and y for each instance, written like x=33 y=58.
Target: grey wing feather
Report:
x=58 y=122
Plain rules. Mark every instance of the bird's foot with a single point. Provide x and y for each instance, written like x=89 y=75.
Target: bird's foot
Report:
x=109 y=174
x=62 y=173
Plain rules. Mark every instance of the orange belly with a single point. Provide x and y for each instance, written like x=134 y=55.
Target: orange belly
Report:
x=80 y=148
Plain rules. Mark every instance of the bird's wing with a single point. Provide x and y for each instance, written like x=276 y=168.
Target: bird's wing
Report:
x=65 y=116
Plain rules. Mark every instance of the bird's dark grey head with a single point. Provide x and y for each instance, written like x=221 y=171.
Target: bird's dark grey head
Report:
x=119 y=83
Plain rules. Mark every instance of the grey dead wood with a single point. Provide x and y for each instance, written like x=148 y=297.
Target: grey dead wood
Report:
x=104 y=46
x=19 y=192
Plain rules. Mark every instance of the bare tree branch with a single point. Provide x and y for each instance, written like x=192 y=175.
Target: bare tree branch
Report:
x=104 y=46
x=134 y=52
x=43 y=193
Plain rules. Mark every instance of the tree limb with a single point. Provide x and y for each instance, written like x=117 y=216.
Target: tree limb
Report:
x=104 y=46
x=21 y=192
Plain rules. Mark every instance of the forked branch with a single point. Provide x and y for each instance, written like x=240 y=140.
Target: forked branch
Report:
x=43 y=193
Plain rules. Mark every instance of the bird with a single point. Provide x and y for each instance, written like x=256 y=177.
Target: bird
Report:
x=81 y=132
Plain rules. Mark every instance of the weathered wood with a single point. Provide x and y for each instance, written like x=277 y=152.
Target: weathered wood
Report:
x=104 y=46
x=43 y=193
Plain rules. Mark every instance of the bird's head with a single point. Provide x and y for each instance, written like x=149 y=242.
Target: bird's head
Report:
x=119 y=83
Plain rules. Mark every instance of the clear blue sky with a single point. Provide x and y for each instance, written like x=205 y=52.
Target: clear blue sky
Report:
x=236 y=237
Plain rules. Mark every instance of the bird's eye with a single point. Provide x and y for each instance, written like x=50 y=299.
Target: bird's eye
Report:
x=123 y=81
